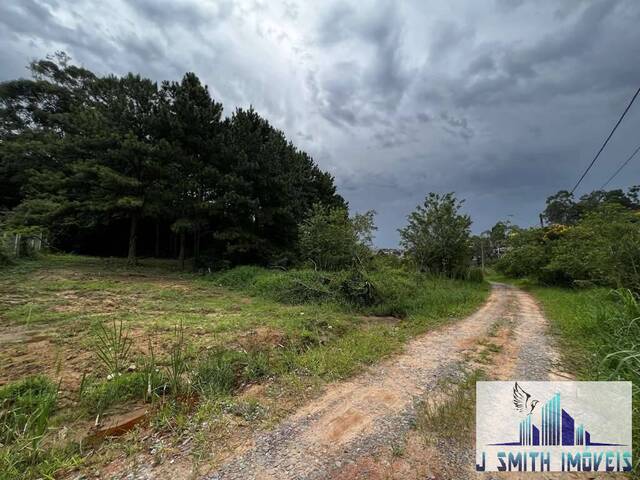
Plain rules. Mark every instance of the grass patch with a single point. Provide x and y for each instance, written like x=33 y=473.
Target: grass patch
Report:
x=452 y=417
x=25 y=408
x=152 y=331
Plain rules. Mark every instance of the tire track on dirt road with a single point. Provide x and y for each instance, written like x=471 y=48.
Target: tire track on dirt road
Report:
x=354 y=419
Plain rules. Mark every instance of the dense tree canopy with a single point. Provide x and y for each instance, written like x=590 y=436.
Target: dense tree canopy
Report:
x=96 y=161
x=563 y=209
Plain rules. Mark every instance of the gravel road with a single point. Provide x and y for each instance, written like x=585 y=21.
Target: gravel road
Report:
x=354 y=419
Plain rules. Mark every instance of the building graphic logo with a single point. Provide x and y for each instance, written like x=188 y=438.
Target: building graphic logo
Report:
x=585 y=435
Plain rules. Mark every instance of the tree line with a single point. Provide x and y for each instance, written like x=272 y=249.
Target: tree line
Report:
x=113 y=164
x=594 y=240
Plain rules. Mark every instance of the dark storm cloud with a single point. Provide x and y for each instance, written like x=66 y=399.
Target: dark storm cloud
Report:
x=503 y=102
x=370 y=85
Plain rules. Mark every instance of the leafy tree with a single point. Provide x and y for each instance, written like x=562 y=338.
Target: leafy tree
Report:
x=528 y=253
x=190 y=120
x=602 y=248
x=438 y=236
x=104 y=158
x=561 y=209
x=267 y=186
x=333 y=241
x=35 y=114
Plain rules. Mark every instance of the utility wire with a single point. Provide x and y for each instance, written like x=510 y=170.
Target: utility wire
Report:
x=624 y=164
x=606 y=141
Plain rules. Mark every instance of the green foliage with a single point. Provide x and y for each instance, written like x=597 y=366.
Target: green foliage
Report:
x=475 y=275
x=93 y=158
x=384 y=289
x=98 y=395
x=599 y=331
x=357 y=289
x=333 y=241
x=602 y=248
x=562 y=208
x=438 y=237
x=112 y=345
x=25 y=408
x=178 y=364
x=454 y=417
x=218 y=373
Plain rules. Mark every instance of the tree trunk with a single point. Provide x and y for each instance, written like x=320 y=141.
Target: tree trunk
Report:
x=133 y=238
x=157 y=249
x=196 y=246
x=182 y=246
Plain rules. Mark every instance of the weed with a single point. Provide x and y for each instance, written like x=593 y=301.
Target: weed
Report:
x=112 y=347
x=217 y=373
x=598 y=328
x=178 y=365
x=25 y=408
x=454 y=417
x=257 y=365
x=397 y=449
x=98 y=396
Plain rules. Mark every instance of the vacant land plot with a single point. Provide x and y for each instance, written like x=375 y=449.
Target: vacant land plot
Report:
x=208 y=358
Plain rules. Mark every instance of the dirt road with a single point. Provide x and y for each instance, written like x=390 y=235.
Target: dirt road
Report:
x=337 y=434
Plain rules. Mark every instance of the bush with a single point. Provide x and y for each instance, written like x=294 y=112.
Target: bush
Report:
x=333 y=241
x=357 y=289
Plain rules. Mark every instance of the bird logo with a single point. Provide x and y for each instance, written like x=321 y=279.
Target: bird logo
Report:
x=523 y=401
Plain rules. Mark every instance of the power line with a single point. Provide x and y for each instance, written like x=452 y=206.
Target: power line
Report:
x=624 y=164
x=606 y=141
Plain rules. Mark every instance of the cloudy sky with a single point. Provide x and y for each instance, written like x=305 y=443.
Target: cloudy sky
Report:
x=504 y=102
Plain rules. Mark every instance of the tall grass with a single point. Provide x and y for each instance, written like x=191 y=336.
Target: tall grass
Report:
x=25 y=411
x=599 y=330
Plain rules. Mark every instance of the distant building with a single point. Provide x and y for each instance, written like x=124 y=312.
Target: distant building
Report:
x=395 y=252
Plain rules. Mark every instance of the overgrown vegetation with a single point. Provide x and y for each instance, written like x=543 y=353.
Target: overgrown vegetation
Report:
x=599 y=330
x=26 y=409
x=600 y=247
x=188 y=346
x=438 y=236
x=330 y=240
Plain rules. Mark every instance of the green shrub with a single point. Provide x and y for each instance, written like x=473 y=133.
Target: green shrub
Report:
x=295 y=287
x=602 y=248
x=357 y=289
x=438 y=236
x=239 y=277
x=332 y=241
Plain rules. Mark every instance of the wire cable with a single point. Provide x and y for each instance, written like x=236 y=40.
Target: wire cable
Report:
x=606 y=141
x=624 y=164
